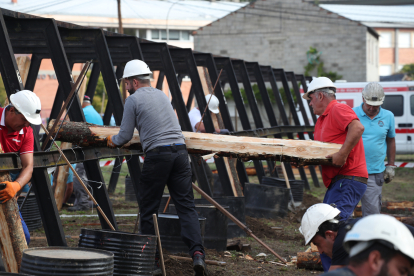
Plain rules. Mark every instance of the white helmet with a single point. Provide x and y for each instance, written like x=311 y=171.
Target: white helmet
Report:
x=318 y=83
x=136 y=67
x=373 y=94
x=379 y=227
x=214 y=103
x=314 y=217
x=27 y=103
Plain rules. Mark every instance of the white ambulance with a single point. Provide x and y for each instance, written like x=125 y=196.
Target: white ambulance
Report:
x=399 y=99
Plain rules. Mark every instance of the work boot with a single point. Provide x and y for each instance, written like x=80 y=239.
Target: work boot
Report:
x=199 y=265
x=157 y=268
x=78 y=208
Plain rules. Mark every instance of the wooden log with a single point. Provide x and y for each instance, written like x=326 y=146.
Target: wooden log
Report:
x=246 y=148
x=12 y=239
x=309 y=260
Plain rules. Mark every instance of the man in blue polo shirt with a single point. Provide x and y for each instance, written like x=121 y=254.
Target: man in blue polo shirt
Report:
x=379 y=140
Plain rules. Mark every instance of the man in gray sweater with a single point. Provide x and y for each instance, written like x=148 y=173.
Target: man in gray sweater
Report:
x=166 y=158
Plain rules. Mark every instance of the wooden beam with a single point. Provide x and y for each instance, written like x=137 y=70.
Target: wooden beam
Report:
x=304 y=152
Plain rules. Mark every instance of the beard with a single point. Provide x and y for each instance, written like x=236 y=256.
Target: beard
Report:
x=131 y=91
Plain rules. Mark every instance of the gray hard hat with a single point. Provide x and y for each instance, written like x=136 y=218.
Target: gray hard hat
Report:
x=373 y=94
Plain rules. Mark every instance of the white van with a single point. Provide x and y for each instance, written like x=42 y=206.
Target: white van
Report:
x=399 y=99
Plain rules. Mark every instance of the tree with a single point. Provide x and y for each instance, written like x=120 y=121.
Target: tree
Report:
x=409 y=70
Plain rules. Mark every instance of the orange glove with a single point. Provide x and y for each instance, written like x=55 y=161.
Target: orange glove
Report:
x=9 y=191
x=109 y=142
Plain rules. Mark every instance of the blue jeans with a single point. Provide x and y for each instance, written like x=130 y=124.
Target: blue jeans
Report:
x=346 y=194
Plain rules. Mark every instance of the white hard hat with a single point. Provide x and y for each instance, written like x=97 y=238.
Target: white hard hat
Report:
x=314 y=217
x=379 y=228
x=373 y=94
x=214 y=103
x=319 y=83
x=136 y=67
x=27 y=103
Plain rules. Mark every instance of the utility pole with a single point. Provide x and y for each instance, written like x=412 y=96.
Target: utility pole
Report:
x=121 y=31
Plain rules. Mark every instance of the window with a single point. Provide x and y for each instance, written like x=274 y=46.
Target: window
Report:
x=132 y=32
x=385 y=70
x=185 y=35
x=172 y=35
x=155 y=34
x=404 y=40
x=395 y=104
x=385 y=40
x=412 y=104
x=143 y=33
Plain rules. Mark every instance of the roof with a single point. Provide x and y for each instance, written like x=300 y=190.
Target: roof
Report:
x=146 y=12
x=376 y=16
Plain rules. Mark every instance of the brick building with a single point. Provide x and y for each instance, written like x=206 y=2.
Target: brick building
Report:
x=394 y=24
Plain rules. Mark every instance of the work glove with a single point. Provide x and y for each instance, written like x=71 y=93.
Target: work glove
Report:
x=9 y=191
x=224 y=131
x=389 y=173
x=109 y=142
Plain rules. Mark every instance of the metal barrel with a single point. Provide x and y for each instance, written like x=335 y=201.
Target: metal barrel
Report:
x=30 y=211
x=295 y=185
x=170 y=233
x=215 y=236
x=236 y=208
x=134 y=254
x=129 y=190
x=11 y=274
x=66 y=261
x=264 y=201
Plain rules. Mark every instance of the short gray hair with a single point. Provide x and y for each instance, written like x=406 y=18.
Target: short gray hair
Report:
x=141 y=78
x=327 y=92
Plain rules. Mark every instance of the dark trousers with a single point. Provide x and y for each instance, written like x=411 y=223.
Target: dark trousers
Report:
x=173 y=169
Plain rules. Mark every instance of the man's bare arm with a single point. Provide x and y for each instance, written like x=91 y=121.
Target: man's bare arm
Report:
x=391 y=150
x=27 y=169
x=355 y=131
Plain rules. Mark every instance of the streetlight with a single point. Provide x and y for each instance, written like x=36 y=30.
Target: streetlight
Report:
x=168 y=14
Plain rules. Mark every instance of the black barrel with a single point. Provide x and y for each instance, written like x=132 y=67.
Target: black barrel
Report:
x=236 y=208
x=129 y=190
x=170 y=232
x=215 y=236
x=295 y=185
x=30 y=211
x=264 y=201
x=133 y=254
x=66 y=261
x=11 y=274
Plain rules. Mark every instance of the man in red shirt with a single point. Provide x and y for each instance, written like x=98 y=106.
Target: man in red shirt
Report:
x=16 y=135
x=346 y=179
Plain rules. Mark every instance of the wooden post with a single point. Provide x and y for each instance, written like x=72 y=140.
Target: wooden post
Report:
x=218 y=123
x=12 y=239
x=61 y=174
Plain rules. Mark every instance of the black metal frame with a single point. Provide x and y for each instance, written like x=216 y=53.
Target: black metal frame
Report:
x=66 y=44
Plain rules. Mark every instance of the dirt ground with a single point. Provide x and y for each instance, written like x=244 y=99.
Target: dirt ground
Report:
x=286 y=242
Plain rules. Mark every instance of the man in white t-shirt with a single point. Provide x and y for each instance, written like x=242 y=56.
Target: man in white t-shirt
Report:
x=198 y=126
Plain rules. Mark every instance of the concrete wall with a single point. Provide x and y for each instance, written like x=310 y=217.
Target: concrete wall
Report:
x=372 y=57
x=280 y=32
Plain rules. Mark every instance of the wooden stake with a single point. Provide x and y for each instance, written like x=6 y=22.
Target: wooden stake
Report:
x=166 y=205
x=157 y=232
x=236 y=221
x=12 y=238
x=81 y=182
x=136 y=223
